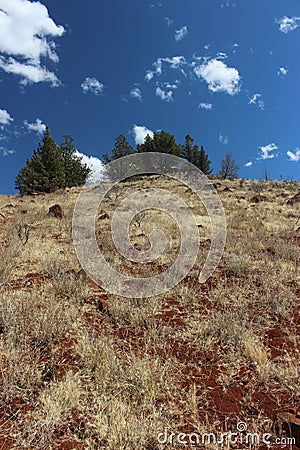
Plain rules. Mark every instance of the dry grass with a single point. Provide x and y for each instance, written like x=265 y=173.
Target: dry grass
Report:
x=80 y=368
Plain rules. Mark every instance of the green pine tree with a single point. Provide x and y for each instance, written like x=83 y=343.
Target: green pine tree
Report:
x=76 y=173
x=161 y=142
x=51 y=167
x=121 y=148
x=191 y=152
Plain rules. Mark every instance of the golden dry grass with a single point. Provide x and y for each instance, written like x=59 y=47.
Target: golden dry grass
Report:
x=80 y=368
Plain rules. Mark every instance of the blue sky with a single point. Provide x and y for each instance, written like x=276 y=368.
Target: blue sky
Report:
x=224 y=71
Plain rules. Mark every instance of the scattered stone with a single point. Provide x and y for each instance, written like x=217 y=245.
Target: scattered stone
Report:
x=103 y=215
x=288 y=424
x=258 y=198
x=227 y=189
x=56 y=211
x=294 y=199
x=2 y=215
x=216 y=185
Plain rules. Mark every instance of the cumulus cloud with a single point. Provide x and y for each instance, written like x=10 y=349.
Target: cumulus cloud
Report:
x=97 y=167
x=25 y=38
x=166 y=96
x=248 y=164
x=294 y=156
x=266 y=152
x=136 y=93
x=5 y=117
x=140 y=132
x=282 y=72
x=181 y=33
x=219 y=77
x=287 y=24
x=256 y=100
x=38 y=126
x=92 y=85
x=206 y=106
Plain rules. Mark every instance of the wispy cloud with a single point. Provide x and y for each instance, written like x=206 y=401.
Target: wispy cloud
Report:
x=181 y=33
x=206 y=106
x=5 y=151
x=282 y=72
x=248 y=164
x=29 y=73
x=25 y=38
x=294 y=156
x=169 y=21
x=287 y=24
x=136 y=93
x=266 y=152
x=223 y=139
x=219 y=77
x=5 y=117
x=174 y=62
x=166 y=96
x=140 y=132
x=92 y=85
x=256 y=100
x=38 y=126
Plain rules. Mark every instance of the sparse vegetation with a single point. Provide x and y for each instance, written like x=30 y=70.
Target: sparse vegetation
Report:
x=81 y=368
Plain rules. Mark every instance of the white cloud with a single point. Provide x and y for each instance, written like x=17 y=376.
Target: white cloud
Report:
x=223 y=139
x=169 y=21
x=282 y=72
x=181 y=33
x=136 y=93
x=5 y=117
x=207 y=46
x=266 y=151
x=287 y=24
x=175 y=62
x=92 y=85
x=30 y=73
x=248 y=164
x=294 y=156
x=38 y=126
x=206 y=106
x=5 y=151
x=140 y=132
x=219 y=77
x=97 y=167
x=166 y=96
x=25 y=29
x=256 y=100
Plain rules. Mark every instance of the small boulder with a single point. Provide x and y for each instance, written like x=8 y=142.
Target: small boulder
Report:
x=103 y=215
x=258 y=198
x=294 y=199
x=56 y=211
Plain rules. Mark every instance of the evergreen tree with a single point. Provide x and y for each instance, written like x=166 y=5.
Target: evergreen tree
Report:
x=229 y=167
x=199 y=158
x=161 y=142
x=76 y=173
x=121 y=148
x=51 y=167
